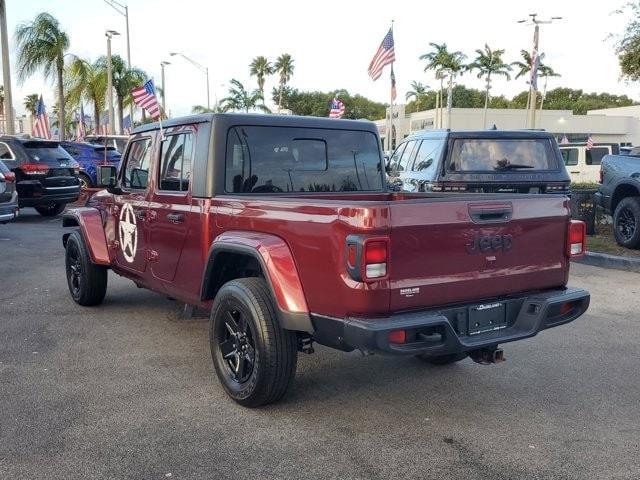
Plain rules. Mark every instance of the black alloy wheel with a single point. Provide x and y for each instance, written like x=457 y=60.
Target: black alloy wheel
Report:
x=236 y=344
x=626 y=222
x=74 y=270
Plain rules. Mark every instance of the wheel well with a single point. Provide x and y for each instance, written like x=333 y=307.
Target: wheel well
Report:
x=622 y=191
x=227 y=266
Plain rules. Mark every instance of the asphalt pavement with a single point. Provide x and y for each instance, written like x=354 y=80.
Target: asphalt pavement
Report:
x=127 y=391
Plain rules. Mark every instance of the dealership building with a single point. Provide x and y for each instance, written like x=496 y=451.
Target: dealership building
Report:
x=615 y=125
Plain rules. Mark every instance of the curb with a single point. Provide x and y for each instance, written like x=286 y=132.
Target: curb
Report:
x=615 y=262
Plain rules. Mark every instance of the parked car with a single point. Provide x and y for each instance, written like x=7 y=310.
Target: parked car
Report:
x=283 y=228
x=583 y=163
x=89 y=156
x=630 y=150
x=619 y=195
x=8 y=195
x=119 y=142
x=46 y=175
x=482 y=161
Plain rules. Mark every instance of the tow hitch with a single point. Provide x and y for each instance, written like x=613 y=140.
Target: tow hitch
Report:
x=486 y=356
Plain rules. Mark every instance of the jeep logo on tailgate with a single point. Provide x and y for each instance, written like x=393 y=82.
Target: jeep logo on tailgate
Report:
x=490 y=242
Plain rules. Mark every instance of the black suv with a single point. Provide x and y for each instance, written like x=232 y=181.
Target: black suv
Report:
x=46 y=175
x=481 y=161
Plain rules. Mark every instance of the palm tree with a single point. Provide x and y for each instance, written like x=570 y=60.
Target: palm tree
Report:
x=524 y=68
x=41 y=45
x=31 y=103
x=418 y=90
x=489 y=62
x=284 y=67
x=445 y=64
x=241 y=99
x=125 y=79
x=261 y=68
x=87 y=82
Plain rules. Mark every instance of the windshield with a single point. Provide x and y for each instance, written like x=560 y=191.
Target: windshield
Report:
x=501 y=155
x=279 y=159
x=49 y=153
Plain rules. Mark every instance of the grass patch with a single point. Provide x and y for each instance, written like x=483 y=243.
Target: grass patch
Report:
x=604 y=242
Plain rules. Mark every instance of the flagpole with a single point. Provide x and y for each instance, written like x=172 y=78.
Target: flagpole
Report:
x=390 y=133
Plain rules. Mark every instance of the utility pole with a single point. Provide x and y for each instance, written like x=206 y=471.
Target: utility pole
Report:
x=9 y=124
x=535 y=61
x=202 y=68
x=109 y=34
x=163 y=63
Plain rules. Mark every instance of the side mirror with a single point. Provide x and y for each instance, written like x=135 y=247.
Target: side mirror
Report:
x=106 y=176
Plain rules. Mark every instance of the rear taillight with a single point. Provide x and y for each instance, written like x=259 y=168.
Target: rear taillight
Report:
x=34 y=168
x=576 y=238
x=375 y=258
x=9 y=177
x=366 y=257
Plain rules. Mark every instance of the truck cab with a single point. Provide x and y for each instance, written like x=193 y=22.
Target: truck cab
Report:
x=583 y=162
x=283 y=228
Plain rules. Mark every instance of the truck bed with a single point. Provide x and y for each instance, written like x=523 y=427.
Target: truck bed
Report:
x=444 y=248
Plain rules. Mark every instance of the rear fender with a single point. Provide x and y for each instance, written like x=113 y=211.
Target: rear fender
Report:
x=279 y=270
x=89 y=222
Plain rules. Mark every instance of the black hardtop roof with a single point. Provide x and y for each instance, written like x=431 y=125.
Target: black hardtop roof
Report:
x=232 y=119
x=479 y=134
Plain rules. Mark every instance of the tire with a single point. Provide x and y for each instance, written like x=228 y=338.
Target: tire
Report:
x=50 y=210
x=87 y=282
x=443 y=359
x=626 y=222
x=254 y=358
x=85 y=181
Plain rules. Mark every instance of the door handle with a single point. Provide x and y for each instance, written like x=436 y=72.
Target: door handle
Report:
x=490 y=213
x=175 y=217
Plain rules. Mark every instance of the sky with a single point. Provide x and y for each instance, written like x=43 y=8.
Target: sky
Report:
x=332 y=42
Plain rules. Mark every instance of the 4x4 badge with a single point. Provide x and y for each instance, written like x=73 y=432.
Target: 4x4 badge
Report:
x=128 y=231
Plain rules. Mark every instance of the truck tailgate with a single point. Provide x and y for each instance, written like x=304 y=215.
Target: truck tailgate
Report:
x=445 y=251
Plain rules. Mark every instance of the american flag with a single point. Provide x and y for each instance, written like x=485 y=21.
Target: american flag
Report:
x=589 y=142
x=80 y=129
x=126 y=125
x=41 y=123
x=145 y=97
x=337 y=109
x=383 y=57
x=394 y=92
x=564 y=140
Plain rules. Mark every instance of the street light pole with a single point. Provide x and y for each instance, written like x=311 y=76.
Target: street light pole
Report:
x=9 y=124
x=124 y=11
x=109 y=34
x=203 y=69
x=163 y=63
x=535 y=59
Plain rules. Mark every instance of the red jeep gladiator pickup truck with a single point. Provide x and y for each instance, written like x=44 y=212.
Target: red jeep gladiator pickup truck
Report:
x=284 y=229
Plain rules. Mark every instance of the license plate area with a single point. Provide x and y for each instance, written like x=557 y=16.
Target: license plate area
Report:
x=487 y=317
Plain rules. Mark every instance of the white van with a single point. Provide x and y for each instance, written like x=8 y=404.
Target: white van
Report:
x=583 y=164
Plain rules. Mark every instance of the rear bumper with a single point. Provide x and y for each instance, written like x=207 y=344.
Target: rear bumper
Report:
x=34 y=195
x=445 y=331
x=9 y=210
x=603 y=201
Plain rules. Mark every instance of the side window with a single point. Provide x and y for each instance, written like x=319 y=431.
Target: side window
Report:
x=594 y=156
x=428 y=156
x=5 y=152
x=407 y=155
x=136 y=171
x=395 y=158
x=175 y=163
x=570 y=156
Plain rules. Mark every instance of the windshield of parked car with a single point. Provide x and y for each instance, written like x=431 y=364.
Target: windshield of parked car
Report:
x=501 y=155
x=49 y=153
x=279 y=160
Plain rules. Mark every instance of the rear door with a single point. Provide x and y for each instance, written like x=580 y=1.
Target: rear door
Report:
x=593 y=158
x=445 y=251
x=57 y=166
x=131 y=207
x=170 y=203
